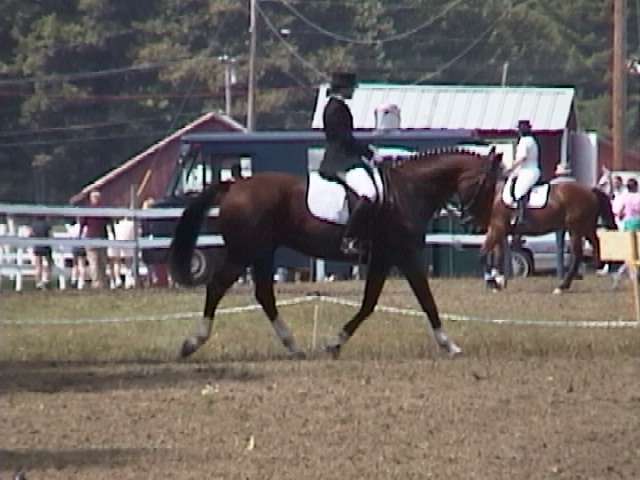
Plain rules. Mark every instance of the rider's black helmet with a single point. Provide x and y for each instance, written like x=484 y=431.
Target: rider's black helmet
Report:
x=524 y=127
x=341 y=81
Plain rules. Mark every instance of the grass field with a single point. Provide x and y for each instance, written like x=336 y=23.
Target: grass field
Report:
x=248 y=336
x=81 y=399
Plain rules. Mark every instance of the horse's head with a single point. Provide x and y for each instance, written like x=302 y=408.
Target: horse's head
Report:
x=476 y=188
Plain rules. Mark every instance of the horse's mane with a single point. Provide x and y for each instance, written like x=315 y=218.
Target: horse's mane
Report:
x=400 y=160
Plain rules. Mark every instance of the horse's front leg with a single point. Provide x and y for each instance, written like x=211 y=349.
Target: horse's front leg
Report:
x=263 y=279
x=492 y=255
x=376 y=276
x=576 y=260
x=414 y=272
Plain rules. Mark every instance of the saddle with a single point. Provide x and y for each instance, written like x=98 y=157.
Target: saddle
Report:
x=328 y=200
x=538 y=195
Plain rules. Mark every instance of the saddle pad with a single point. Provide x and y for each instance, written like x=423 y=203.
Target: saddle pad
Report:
x=327 y=200
x=537 y=199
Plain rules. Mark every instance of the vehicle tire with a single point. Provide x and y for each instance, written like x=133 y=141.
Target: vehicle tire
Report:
x=521 y=263
x=201 y=267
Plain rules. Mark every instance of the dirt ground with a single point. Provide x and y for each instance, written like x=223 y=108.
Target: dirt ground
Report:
x=511 y=414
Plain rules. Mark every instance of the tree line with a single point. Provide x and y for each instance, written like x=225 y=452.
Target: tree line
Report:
x=86 y=84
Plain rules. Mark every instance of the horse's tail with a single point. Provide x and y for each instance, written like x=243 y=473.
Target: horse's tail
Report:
x=185 y=236
x=605 y=210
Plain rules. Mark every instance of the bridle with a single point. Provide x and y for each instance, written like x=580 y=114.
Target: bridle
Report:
x=467 y=208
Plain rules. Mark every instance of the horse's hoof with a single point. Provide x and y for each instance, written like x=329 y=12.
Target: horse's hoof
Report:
x=333 y=350
x=455 y=353
x=558 y=291
x=491 y=284
x=188 y=348
x=452 y=350
x=298 y=355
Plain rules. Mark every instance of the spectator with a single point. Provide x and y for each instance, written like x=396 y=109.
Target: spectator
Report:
x=613 y=186
x=121 y=259
x=617 y=186
x=78 y=268
x=605 y=182
x=626 y=207
x=42 y=259
x=96 y=227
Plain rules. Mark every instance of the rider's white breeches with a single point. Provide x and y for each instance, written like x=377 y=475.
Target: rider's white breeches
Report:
x=361 y=183
x=526 y=178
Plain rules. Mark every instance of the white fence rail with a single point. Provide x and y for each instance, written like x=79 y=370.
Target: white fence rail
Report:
x=16 y=245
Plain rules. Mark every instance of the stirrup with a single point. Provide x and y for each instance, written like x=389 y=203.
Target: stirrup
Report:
x=350 y=246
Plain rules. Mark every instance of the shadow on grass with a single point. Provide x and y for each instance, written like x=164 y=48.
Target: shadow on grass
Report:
x=53 y=377
x=40 y=459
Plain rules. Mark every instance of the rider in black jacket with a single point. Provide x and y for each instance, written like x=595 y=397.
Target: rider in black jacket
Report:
x=344 y=152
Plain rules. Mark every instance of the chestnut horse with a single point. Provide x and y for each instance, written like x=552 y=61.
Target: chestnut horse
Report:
x=261 y=213
x=571 y=207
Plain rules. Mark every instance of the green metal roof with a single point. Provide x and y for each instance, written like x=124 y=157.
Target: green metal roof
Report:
x=493 y=108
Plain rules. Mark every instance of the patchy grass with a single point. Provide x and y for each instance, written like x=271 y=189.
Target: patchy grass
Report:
x=102 y=401
x=248 y=336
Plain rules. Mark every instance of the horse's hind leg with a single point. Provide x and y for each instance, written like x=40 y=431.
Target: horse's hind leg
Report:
x=263 y=279
x=595 y=245
x=420 y=286
x=216 y=288
x=576 y=259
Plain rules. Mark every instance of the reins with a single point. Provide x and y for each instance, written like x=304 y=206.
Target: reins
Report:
x=465 y=211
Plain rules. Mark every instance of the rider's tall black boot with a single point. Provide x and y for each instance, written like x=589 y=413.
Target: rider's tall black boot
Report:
x=354 y=227
x=521 y=217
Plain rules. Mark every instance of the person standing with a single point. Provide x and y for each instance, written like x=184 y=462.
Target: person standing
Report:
x=525 y=171
x=43 y=260
x=617 y=186
x=96 y=227
x=605 y=182
x=344 y=154
x=79 y=254
x=626 y=208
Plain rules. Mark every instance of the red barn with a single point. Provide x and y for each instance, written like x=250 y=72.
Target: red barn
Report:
x=150 y=171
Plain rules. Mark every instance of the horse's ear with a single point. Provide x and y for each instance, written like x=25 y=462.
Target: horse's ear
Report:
x=496 y=160
x=492 y=151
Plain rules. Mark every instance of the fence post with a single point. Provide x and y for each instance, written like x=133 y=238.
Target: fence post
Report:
x=136 y=238
x=19 y=263
x=632 y=264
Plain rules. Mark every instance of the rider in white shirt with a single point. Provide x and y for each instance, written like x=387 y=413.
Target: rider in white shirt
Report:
x=525 y=171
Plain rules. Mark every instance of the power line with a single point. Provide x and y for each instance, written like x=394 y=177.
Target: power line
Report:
x=91 y=126
x=290 y=47
x=156 y=134
x=109 y=97
x=93 y=74
x=392 y=38
x=343 y=3
x=455 y=59
x=89 y=75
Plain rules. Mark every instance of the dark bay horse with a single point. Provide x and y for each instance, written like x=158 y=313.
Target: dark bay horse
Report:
x=261 y=213
x=572 y=207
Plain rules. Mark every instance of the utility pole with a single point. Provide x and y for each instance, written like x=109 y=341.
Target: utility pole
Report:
x=619 y=97
x=229 y=80
x=251 y=97
x=505 y=71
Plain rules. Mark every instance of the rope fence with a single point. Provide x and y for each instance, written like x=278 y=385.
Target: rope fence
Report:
x=319 y=299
